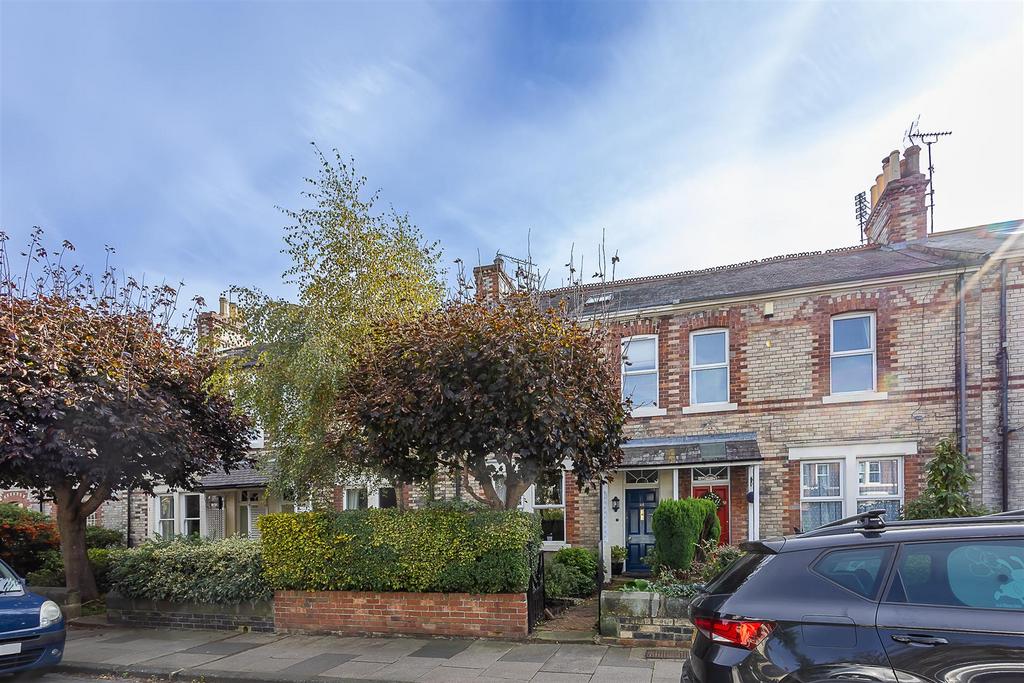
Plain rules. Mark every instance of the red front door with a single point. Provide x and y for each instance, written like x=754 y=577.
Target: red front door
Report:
x=720 y=494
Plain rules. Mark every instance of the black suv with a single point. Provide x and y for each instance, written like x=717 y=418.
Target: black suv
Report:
x=863 y=600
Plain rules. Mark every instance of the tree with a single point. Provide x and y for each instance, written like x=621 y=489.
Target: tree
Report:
x=947 y=493
x=353 y=266
x=501 y=393
x=100 y=392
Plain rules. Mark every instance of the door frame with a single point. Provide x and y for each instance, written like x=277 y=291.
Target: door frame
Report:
x=626 y=490
x=709 y=483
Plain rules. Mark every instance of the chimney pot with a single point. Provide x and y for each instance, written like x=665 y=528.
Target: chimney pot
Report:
x=894 y=166
x=912 y=159
x=223 y=305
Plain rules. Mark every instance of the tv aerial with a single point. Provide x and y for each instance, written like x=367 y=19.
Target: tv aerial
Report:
x=917 y=136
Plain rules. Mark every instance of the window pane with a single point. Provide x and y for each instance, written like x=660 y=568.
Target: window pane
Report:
x=851 y=334
x=891 y=507
x=853 y=373
x=710 y=386
x=821 y=480
x=243 y=520
x=813 y=515
x=980 y=574
x=356 y=499
x=387 y=498
x=859 y=570
x=191 y=527
x=192 y=506
x=879 y=478
x=166 y=507
x=166 y=529
x=548 y=489
x=641 y=389
x=709 y=348
x=639 y=354
x=552 y=522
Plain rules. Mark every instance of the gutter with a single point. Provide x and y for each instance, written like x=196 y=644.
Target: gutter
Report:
x=961 y=361
x=1002 y=358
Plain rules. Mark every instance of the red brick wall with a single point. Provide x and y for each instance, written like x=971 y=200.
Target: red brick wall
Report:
x=437 y=614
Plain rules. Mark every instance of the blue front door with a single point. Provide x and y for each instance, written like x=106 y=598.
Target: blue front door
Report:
x=640 y=504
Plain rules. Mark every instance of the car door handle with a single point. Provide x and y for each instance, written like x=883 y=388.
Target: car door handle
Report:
x=912 y=639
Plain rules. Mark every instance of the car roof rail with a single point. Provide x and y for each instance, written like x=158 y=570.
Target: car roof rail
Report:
x=869 y=520
x=1007 y=513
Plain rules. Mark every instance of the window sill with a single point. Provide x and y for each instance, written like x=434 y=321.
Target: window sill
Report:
x=856 y=397
x=553 y=546
x=710 y=408
x=648 y=411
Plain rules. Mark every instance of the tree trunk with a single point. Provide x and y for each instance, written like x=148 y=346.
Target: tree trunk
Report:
x=77 y=570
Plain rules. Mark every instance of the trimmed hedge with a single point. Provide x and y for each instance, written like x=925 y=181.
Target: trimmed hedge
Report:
x=26 y=536
x=680 y=526
x=434 y=550
x=228 y=571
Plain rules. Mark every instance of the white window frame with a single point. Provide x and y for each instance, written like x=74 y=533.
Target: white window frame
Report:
x=646 y=410
x=250 y=521
x=159 y=519
x=532 y=504
x=344 y=501
x=872 y=349
x=824 y=499
x=898 y=496
x=182 y=497
x=694 y=368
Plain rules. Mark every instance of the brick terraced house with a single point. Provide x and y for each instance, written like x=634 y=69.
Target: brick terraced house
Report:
x=800 y=389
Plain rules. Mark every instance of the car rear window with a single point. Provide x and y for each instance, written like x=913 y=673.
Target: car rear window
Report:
x=860 y=570
x=737 y=573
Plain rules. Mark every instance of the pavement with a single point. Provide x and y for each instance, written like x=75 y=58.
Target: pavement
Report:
x=219 y=656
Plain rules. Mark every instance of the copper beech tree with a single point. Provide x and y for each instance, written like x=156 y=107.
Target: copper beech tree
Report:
x=500 y=393
x=100 y=392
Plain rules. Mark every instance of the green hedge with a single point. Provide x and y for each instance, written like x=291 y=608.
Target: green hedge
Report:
x=571 y=573
x=190 y=570
x=680 y=526
x=437 y=549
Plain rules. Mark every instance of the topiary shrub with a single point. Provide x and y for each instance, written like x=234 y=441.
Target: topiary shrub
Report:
x=25 y=538
x=435 y=549
x=228 y=571
x=948 y=491
x=680 y=527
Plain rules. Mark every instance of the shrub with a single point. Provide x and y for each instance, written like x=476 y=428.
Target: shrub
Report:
x=25 y=537
x=947 y=493
x=571 y=573
x=435 y=549
x=101 y=537
x=51 y=573
x=227 y=571
x=716 y=559
x=619 y=553
x=680 y=526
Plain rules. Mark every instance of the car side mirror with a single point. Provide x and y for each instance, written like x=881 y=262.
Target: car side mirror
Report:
x=23 y=581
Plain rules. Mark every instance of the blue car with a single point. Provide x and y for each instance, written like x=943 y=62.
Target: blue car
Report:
x=32 y=628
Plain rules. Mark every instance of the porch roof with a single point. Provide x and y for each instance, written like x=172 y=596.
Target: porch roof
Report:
x=691 y=449
x=244 y=478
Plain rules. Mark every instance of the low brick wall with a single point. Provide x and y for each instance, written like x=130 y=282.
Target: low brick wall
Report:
x=247 y=616
x=500 y=615
x=645 y=619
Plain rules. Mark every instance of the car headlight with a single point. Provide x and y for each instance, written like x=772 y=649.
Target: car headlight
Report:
x=49 y=614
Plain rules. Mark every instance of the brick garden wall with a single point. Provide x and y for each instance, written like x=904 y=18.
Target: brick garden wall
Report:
x=436 y=614
x=248 y=616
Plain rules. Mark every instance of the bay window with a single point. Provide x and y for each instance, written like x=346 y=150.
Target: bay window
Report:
x=165 y=516
x=821 y=493
x=833 y=489
x=191 y=506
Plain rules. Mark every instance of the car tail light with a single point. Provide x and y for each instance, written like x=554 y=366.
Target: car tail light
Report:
x=746 y=633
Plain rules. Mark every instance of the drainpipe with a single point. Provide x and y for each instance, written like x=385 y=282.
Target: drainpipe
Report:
x=961 y=359
x=1004 y=380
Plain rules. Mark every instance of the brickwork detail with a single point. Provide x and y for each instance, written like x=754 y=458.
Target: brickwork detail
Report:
x=436 y=614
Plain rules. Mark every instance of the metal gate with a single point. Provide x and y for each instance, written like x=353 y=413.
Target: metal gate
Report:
x=535 y=594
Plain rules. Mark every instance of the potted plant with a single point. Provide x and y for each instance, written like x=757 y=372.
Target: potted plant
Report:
x=618 y=559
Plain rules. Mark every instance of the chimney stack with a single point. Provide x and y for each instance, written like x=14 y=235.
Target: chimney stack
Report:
x=897 y=200
x=492 y=282
x=224 y=306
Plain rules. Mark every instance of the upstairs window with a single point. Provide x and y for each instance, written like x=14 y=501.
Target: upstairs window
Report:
x=709 y=367
x=853 y=353
x=640 y=371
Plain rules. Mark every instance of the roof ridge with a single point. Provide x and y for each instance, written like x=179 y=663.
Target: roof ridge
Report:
x=712 y=269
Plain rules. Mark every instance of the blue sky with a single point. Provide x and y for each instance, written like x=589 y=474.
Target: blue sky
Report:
x=694 y=134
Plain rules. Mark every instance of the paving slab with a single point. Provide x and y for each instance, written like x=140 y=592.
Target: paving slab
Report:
x=480 y=654
x=354 y=669
x=513 y=671
x=179 y=660
x=668 y=671
x=441 y=649
x=575 y=659
x=620 y=657
x=556 y=677
x=317 y=664
x=222 y=648
x=406 y=669
x=389 y=651
x=622 y=674
x=534 y=653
